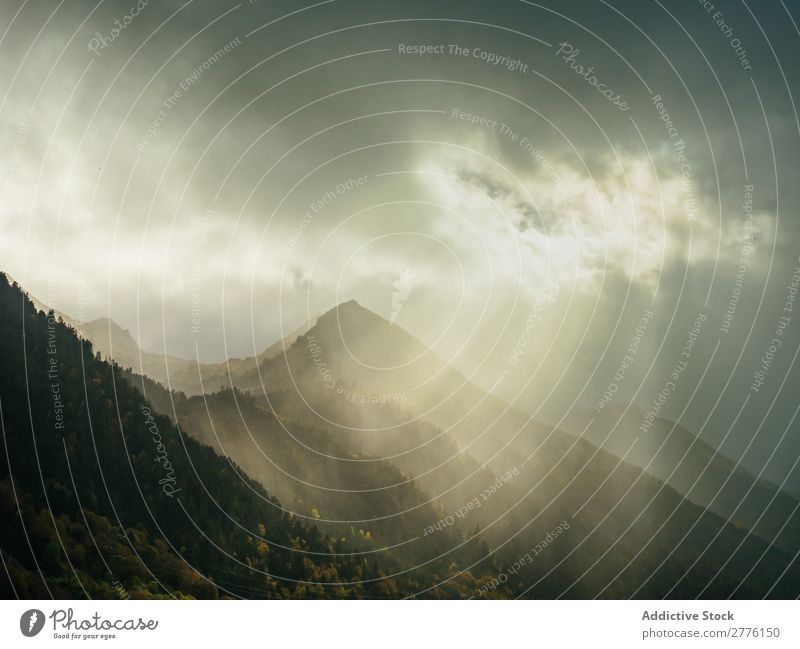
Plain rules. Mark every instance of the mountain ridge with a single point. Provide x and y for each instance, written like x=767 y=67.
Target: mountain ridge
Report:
x=700 y=472
x=616 y=552
x=100 y=484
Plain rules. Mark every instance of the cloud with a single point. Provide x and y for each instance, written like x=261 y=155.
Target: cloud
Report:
x=553 y=186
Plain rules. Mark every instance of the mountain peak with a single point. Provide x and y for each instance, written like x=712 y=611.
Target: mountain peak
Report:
x=352 y=311
x=351 y=306
x=354 y=329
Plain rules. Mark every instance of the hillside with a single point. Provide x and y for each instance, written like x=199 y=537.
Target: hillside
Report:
x=99 y=491
x=368 y=389
x=706 y=477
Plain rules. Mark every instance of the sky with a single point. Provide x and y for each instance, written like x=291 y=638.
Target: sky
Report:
x=520 y=185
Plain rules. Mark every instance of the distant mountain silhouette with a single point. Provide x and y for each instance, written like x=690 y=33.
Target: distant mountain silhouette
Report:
x=188 y=376
x=183 y=375
x=706 y=477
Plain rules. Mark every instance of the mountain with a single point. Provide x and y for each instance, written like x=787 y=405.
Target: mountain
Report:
x=354 y=497
x=366 y=388
x=693 y=468
x=188 y=376
x=535 y=512
x=100 y=495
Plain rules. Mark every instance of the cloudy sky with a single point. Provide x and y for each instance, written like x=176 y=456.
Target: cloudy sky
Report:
x=528 y=180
